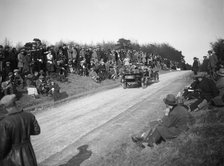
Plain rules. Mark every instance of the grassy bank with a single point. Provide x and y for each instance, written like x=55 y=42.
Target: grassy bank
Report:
x=201 y=145
x=75 y=85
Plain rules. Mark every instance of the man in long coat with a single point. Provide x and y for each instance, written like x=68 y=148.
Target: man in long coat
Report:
x=174 y=122
x=195 y=66
x=15 y=131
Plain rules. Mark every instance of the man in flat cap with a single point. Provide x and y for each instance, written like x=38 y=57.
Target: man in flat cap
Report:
x=15 y=131
x=174 y=122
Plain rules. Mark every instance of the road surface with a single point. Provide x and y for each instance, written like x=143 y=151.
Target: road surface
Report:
x=103 y=121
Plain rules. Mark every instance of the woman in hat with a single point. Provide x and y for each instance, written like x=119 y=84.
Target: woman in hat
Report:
x=174 y=122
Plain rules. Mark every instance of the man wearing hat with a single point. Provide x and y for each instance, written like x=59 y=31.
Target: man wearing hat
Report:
x=213 y=60
x=20 y=58
x=174 y=122
x=40 y=84
x=15 y=130
x=195 y=66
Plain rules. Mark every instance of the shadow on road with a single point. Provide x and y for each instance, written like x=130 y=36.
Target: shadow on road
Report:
x=83 y=155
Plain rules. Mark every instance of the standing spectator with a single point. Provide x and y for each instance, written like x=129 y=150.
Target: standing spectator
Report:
x=72 y=55
x=15 y=131
x=2 y=58
x=213 y=60
x=13 y=58
x=65 y=53
x=21 y=60
x=88 y=56
x=77 y=59
x=27 y=62
x=50 y=62
x=205 y=65
x=195 y=66
x=94 y=55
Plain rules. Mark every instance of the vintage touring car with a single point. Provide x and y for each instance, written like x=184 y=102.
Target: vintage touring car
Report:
x=140 y=79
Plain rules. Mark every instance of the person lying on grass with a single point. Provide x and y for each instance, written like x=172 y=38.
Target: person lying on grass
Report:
x=174 y=122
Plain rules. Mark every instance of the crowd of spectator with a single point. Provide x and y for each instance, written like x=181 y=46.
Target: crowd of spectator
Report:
x=208 y=86
x=36 y=65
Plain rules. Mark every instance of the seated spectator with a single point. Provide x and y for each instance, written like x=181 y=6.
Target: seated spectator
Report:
x=41 y=85
x=54 y=90
x=94 y=75
x=7 y=68
x=70 y=66
x=208 y=91
x=220 y=81
x=217 y=101
x=30 y=86
x=8 y=85
x=18 y=81
x=174 y=122
x=191 y=92
x=29 y=80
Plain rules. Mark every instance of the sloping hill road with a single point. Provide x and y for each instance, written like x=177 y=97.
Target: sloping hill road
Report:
x=103 y=121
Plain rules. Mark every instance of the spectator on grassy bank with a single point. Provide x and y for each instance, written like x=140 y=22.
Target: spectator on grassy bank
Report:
x=207 y=91
x=217 y=101
x=176 y=121
x=213 y=60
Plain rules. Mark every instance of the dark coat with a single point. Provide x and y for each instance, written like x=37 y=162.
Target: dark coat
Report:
x=195 y=66
x=208 y=89
x=15 y=145
x=175 y=123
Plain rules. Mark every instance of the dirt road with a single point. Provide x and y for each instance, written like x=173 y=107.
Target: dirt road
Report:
x=104 y=122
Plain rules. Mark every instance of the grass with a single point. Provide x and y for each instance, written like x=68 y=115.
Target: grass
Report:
x=75 y=85
x=201 y=145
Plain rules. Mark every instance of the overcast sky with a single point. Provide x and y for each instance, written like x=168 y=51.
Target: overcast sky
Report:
x=187 y=25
